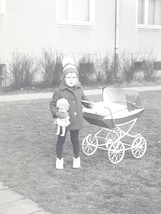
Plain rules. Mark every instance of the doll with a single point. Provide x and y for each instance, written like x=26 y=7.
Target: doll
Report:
x=63 y=107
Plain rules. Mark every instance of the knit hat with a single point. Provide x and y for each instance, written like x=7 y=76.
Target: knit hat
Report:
x=69 y=69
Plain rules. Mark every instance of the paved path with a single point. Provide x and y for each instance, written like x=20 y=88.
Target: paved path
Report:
x=36 y=96
x=14 y=203
x=48 y=95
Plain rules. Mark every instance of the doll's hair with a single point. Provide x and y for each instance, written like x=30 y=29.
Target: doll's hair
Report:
x=63 y=102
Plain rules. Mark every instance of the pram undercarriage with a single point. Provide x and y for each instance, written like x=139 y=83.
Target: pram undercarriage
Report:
x=116 y=123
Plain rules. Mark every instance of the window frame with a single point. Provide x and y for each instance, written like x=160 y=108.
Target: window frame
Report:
x=146 y=25
x=71 y=22
x=2 y=8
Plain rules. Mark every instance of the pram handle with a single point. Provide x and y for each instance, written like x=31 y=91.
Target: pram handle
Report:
x=87 y=102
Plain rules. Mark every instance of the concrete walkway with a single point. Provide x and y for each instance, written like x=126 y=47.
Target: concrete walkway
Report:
x=37 y=96
x=48 y=95
x=14 y=203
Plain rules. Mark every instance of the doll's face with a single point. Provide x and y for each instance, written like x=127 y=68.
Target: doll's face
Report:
x=71 y=79
x=62 y=109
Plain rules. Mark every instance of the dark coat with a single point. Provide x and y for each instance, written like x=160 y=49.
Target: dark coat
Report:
x=74 y=97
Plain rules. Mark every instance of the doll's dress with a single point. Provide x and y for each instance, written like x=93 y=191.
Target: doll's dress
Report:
x=63 y=122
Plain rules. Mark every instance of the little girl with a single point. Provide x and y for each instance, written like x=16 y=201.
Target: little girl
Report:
x=71 y=90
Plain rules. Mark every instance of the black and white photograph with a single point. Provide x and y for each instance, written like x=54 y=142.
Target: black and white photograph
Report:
x=80 y=106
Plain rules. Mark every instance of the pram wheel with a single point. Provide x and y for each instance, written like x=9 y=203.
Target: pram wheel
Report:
x=139 y=146
x=110 y=138
x=90 y=144
x=116 y=152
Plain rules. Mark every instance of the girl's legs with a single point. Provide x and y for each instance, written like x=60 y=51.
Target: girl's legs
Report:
x=60 y=144
x=74 y=136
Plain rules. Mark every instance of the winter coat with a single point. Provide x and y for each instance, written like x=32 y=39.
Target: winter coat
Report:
x=74 y=97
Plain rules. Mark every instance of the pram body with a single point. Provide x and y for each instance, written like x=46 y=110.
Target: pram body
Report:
x=116 y=115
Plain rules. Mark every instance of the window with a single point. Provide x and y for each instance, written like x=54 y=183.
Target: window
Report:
x=149 y=13
x=2 y=8
x=75 y=12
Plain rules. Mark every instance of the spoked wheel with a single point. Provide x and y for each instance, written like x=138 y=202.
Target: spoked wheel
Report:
x=116 y=152
x=139 y=147
x=90 y=144
x=110 y=138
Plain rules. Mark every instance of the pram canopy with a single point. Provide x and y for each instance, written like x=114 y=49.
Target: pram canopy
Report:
x=119 y=106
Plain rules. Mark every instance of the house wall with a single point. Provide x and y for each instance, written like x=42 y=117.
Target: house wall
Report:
x=99 y=38
x=30 y=26
x=133 y=39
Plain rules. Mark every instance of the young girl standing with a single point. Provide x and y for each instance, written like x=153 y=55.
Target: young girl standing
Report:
x=71 y=90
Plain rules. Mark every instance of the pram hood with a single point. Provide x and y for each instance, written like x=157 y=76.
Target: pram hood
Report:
x=126 y=97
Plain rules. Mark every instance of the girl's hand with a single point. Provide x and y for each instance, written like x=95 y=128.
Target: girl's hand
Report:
x=88 y=104
x=62 y=115
x=91 y=105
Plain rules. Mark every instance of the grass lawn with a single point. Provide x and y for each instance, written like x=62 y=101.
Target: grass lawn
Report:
x=27 y=157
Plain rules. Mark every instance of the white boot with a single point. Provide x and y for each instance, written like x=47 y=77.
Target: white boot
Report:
x=76 y=163
x=59 y=163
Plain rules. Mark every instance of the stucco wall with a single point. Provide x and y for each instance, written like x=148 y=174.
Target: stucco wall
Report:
x=30 y=26
x=133 y=39
x=81 y=39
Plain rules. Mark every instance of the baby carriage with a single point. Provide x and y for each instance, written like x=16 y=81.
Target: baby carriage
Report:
x=116 y=116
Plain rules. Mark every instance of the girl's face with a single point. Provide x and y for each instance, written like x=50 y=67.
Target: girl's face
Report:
x=71 y=79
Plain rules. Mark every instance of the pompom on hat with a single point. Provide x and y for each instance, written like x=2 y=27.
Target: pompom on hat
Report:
x=68 y=66
x=68 y=61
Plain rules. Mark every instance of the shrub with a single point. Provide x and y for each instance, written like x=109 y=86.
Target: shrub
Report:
x=148 y=70
x=22 y=68
x=113 y=74
x=57 y=74
x=86 y=69
x=109 y=69
x=51 y=67
x=128 y=68
x=102 y=69
x=47 y=63
x=146 y=67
